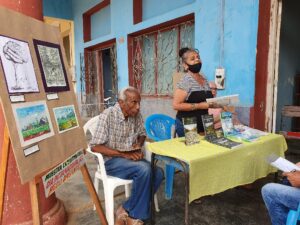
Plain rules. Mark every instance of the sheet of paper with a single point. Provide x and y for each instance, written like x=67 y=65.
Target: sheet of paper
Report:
x=224 y=100
x=284 y=165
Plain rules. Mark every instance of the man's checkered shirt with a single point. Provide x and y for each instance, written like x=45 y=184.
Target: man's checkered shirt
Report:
x=115 y=132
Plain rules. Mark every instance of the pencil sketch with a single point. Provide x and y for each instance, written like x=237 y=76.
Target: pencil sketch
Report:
x=17 y=66
x=52 y=66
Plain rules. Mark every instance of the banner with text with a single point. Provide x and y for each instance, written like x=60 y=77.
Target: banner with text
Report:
x=58 y=175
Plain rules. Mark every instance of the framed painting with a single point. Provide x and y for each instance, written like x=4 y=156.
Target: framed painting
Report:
x=33 y=122
x=17 y=66
x=65 y=118
x=51 y=64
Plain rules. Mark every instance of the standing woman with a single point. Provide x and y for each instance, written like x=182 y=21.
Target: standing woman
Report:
x=192 y=90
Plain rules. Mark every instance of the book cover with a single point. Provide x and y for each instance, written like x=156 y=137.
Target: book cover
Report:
x=211 y=135
x=190 y=130
x=226 y=122
x=244 y=133
x=225 y=142
x=208 y=125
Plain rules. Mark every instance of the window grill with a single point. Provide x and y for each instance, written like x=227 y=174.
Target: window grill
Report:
x=155 y=58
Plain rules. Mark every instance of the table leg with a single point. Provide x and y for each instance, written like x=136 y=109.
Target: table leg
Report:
x=187 y=189
x=152 y=219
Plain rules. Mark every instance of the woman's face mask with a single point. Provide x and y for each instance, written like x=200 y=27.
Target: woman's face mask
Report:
x=195 y=68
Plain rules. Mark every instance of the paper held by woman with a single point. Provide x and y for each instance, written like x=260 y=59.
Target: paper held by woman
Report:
x=225 y=100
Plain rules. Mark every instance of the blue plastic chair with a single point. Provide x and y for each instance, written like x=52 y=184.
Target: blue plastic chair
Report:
x=159 y=128
x=293 y=216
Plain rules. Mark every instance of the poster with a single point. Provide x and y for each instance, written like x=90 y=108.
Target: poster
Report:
x=65 y=118
x=17 y=65
x=33 y=122
x=51 y=65
x=58 y=175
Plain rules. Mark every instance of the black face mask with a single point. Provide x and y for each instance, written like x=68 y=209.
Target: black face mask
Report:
x=195 y=68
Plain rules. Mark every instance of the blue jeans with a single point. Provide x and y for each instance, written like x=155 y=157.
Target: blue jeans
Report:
x=279 y=199
x=179 y=128
x=138 y=204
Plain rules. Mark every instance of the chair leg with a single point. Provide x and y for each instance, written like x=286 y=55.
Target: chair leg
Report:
x=127 y=190
x=96 y=186
x=109 y=204
x=156 y=203
x=291 y=218
x=169 y=181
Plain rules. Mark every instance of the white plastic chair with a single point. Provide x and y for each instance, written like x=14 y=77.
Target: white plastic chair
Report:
x=109 y=182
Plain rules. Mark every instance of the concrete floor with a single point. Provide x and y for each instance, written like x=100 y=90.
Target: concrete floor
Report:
x=237 y=206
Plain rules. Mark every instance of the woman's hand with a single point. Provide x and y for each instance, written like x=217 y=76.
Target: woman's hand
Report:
x=215 y=105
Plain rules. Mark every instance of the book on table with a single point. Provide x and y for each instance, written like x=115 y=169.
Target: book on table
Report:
x=238 y=132
x=211 y=136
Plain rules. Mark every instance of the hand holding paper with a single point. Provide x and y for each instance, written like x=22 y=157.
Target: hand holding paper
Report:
x=282 y=164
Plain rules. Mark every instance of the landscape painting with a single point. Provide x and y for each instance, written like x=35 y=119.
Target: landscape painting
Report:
x=33 y=122
x=65 y=118
x=17 y=66
x=51 y=65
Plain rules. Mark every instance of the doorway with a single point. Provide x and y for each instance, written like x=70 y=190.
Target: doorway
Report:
x=99 y=80
x=288 y=87
x=108 y=87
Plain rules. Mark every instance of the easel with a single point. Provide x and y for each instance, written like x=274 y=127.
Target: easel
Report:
x=34 y=187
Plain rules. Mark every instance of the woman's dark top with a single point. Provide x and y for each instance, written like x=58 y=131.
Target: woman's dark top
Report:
x=196 y=94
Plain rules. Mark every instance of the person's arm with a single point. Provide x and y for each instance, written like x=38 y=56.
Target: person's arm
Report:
x=100 y=137
x=141 y=133
x=133 y=155
x=293 y=178
x=140 y=142
x=180 y=104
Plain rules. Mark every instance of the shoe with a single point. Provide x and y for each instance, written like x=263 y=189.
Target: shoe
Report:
x=131 y=221
x=121 y=216
x=197 y=201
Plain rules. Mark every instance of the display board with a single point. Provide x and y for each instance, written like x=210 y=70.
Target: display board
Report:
x=37 y=95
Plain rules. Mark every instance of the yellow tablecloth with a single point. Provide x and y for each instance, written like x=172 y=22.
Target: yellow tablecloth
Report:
x=214 y=169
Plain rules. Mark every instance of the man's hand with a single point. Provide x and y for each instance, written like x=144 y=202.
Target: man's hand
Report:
x=293 y=178
x=133 y=155
x=136 y=147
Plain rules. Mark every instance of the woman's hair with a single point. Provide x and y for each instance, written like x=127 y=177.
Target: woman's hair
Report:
x=122 y=94
x=183 y=52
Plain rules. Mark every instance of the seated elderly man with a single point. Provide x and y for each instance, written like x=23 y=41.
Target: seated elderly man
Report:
x=279 y=198
x=119 y=136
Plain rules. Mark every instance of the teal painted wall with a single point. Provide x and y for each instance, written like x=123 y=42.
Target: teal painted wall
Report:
x=289 y=57
x=100 y=23
x=152 y=8
x=58 y=9
x=237 y=54
x=225 y=34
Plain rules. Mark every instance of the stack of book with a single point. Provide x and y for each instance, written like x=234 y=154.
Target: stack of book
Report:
x=238 y=132
x=211 y=135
